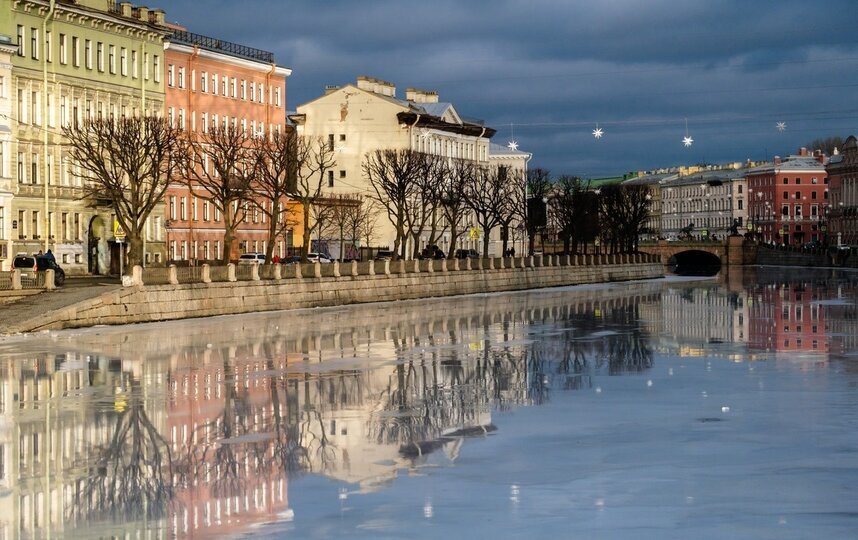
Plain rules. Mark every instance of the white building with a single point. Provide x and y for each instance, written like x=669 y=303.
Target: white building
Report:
x=360 y=118
x=7 y=49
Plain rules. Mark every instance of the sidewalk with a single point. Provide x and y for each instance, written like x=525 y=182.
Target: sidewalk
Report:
x=78 y=290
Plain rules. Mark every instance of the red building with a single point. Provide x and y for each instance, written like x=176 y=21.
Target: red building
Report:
x=788 y=319
x=843 y=175
x=788 y=199
x=211 y=82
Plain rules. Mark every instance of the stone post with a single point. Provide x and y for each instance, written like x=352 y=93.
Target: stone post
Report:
x=386 y=267
x=254 y=272
x=317 y=270
x=206 y=276
x=416 y=266
x=468 y=263
x=172 y=275
x=443 y=265
x=278 y=271
x=430 y=266
x=230 y=272
x=16 y=280
x=501 y=263
x=371 y=268
x=336 y=268
x=298 y=274
x=50 y=277
x=354 y=268
x=455 y=264
x=491 y=263
x=531 y=261
x=401 y=266
x=137 y=275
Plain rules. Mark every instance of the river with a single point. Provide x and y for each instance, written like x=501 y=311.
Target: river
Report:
x=676 y=408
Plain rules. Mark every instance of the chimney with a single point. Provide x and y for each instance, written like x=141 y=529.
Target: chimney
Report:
x=143 y=13
x=125 y=9
x=802 y=152
x=331 y=88
x=376 y=86
x=157 y=17
x=819 y=156
x=421 y=96
x=777 y=160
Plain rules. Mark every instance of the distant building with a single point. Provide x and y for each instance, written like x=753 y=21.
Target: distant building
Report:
x=211 y=82
x=843 y=184
x=704 y=203
x=7 y=188
x=787 y=199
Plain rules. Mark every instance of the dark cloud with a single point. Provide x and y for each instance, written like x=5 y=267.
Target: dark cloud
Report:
x=553 y=68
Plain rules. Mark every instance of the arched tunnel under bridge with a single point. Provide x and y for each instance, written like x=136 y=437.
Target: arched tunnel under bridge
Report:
x=694 y=263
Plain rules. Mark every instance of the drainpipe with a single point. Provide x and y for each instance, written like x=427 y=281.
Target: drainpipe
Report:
x=48 y=17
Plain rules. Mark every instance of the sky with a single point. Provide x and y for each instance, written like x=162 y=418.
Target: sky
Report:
x=546 y=73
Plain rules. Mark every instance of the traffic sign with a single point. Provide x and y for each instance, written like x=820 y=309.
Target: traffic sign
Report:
x=118 y=231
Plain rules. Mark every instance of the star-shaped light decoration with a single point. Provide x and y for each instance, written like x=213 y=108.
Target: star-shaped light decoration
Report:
x=598 y=133
x=687 y=141
x=513 y=145
x=781 y=126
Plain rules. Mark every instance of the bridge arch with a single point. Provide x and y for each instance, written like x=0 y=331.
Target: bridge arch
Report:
x=695 y=262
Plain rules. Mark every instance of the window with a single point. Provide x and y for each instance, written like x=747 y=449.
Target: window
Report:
x=786 y=181
x=224 y=89
x=277 y=99
x=261 y=93
x=740 y=189
x=134 y=72
x=111 y=53
x=206 y=213
x=204 y=82
x=20 y=40
x=99 y=56
x=49 y=46
x=170 y=74
x=797 y=181
x=330 y=178
x=798 y=195
x=87 y=53
x=75 y=46
x=814 y=180
x=204 y=122
x=232 y=87
x=252 y=91
x=34 y=43
x=34 y=169
x=156 y=67
x=123 y=62
x=813 y=195
x=181 y=81
x=342 y=174
x=740 y=201
x=183 y=210
x=172 y=207
x=786 y=195
x=243 y=89
x=214 y=84
x=63 y=50
x=194 y=208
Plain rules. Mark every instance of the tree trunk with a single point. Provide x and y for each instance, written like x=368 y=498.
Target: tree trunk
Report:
x=272 y=239
x=135 y=250
x=416 y=251
x=342 y=244
x=228 y=235
x=305 y=234
x=454 y=237
x=486 y=243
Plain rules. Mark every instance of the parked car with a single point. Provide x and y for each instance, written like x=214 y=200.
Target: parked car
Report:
x=467 y=254
x=252 y=258
x=384 y=255
x=319 y=257
x=432 y=252
x=294 y=259
x=29 y=265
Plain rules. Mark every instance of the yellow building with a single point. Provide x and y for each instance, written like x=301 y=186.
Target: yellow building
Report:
x=74 y=61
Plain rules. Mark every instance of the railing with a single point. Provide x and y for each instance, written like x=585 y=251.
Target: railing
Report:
x=219 y=45
x=5 y=281
x=14 y=280
x=268 y=272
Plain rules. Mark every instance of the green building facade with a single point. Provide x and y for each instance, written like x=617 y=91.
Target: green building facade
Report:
x=75 y=60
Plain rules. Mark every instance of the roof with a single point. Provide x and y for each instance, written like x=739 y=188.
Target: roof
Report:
x=792 y=163
x=498 y=150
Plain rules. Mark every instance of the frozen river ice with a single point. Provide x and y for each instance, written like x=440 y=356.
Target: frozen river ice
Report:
x=660 y=409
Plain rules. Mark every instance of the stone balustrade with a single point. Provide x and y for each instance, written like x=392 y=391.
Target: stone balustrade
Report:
x=316 y=270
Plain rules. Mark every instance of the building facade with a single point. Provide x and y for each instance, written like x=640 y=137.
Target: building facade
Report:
x=704 y=204
x=214 y=83
x=7 y=49
x=75 y=61
x=359 y=118
x=788 y=200
x=842 y=172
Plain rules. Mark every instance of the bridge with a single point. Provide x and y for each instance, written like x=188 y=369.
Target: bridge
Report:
x=733 y=251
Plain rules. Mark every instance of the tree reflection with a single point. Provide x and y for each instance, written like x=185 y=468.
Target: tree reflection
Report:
x=131 y=475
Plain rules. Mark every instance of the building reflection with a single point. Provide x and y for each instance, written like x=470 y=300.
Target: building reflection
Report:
x=197 y=428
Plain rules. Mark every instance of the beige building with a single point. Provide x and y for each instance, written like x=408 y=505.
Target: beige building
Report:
x=7 y=49
x=74 y=61
x=366 y=116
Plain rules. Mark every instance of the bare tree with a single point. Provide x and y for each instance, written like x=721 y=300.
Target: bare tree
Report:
x=220 y=168
x=423 y=206
x=508 y=212
x=393 y=176
x=568 y=201
x=536 y=186
x=314 y=157
x=486 y=197
x=623 y=211
x=826 y=144
x=129 y=162
x=460 y=175
x=341 y=220
x=275 y=180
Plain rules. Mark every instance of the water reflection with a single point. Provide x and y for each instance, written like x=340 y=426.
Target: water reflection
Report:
x=197 y=427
